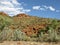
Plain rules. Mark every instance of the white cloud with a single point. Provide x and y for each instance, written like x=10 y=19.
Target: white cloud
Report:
x=7 y=3
x=51 y=8
x=44 y=7
x=27 y=10
x=36 y=7
x=12 y=7
x=15 y=2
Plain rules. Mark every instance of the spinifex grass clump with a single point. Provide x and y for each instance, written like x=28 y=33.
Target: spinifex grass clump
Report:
x=5 y=34
x=13 y=35
x=18 y=35
x=51 y=36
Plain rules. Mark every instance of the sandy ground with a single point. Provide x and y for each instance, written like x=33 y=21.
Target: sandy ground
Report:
x=26 y=43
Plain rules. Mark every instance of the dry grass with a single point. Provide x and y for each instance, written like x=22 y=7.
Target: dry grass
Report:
x=27 y=43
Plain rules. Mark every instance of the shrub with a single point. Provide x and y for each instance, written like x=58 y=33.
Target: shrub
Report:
x=50 y=36
x=13 y=35
x=20 y=35
x=5 y=34
x=53 y=36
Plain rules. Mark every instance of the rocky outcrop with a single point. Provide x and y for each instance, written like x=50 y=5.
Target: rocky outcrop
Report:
x=3 y=14
x=33 y=29
x=22 y=15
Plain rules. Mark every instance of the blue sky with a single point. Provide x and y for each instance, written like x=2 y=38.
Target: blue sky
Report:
x=40 y=8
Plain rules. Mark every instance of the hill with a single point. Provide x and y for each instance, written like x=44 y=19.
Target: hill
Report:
x=4 y=20
x=26 y=27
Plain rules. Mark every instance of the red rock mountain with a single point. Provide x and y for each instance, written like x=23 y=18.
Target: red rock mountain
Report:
x=22 y=15
x=3 y=14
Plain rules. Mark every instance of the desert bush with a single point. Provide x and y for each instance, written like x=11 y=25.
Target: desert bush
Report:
x=3 y=23
x=20 y=35
x=33 y=36
x=50 y=36
x=53 y=36
x=5 y=34
x=12 y=35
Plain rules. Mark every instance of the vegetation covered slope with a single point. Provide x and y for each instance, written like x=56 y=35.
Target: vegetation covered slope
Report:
x=5 y=20
x=32 y=28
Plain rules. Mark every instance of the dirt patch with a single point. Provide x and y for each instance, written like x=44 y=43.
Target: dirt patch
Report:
x=27 y=43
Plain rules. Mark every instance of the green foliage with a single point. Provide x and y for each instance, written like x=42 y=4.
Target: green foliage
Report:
x=19 y=35
x=5 y=34
x=53 y=36
x=16 y=35
x=50 y=36
x=33 y=36
x=4 y=21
